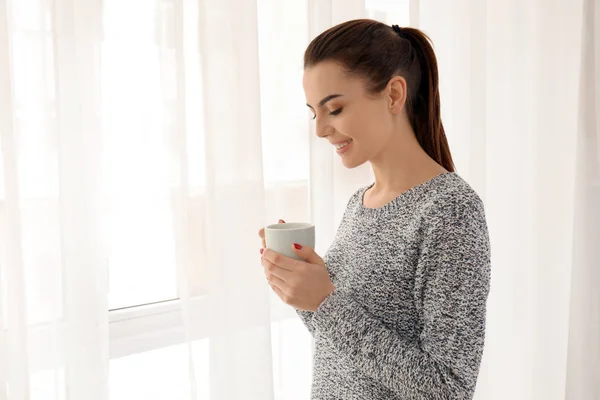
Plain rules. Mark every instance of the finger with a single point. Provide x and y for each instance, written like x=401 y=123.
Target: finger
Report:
x=307 y=253
x=280 y=260
x=281 y=221
x=264 y=243
x=277 y=291
x=272 y=269
x=273 y=280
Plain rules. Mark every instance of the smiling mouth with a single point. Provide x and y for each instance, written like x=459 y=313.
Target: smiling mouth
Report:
x=342 y=145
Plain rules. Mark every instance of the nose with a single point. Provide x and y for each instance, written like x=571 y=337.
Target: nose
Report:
x=323 y=129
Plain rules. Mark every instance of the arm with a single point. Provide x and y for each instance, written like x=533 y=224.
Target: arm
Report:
x=454 y=266
x=307 y=316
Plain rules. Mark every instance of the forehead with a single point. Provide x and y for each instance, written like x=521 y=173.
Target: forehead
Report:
x=328 y=77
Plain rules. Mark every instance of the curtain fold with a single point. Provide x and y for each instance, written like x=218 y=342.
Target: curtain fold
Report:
x=584 y=328
x=13 y=342
x=237 y=300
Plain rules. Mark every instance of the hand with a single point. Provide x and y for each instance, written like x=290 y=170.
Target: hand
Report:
x=301 y=284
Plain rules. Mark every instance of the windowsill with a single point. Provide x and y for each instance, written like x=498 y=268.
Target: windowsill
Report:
x=154 y=326
x=138 y=329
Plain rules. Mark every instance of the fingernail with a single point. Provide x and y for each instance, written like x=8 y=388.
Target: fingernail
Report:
x=281 y=221
x=261 y=251
x=297 y=246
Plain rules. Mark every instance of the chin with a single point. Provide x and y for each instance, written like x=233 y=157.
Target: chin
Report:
x=351 y=163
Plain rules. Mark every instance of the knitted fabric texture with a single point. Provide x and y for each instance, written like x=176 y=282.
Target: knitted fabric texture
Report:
x=407 y=317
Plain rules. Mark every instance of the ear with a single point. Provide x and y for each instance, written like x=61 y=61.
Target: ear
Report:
x=397 y=94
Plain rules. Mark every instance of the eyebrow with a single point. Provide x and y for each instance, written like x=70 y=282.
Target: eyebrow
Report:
x=326 y=99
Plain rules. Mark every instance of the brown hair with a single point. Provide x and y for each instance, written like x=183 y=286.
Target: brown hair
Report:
x=378 y=52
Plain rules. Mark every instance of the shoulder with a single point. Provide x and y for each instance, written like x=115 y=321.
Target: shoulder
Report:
x=452 y=203
x=454 y=223
x=450 y=194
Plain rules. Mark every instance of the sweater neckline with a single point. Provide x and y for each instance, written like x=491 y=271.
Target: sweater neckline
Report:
x=406 y=196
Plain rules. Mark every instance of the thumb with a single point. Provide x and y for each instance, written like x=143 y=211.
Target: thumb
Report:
x=308 y=254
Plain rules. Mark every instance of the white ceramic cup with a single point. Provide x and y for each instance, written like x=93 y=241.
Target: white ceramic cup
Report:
x=281 y=237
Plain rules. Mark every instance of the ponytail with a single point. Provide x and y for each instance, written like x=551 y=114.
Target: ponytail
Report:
x=424 y=108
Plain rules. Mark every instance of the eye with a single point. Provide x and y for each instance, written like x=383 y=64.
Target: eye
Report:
x=336 y=112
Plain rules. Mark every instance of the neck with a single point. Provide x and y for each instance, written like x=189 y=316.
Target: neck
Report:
x=403 y=164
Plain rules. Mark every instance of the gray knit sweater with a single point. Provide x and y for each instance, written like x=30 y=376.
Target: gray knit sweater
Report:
x=407 y=318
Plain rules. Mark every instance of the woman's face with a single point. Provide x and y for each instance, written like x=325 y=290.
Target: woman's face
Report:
x=344 y=111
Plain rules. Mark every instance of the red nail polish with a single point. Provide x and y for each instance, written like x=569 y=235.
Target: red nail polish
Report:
x=297 y=246
x=261 y=251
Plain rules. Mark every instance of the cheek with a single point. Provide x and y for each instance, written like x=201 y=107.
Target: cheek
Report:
x=366 y=127
x=349 y=125
x=352 y=124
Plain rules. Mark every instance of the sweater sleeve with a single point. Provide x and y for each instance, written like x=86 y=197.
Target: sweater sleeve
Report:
x=306 y=317
x=454 y=270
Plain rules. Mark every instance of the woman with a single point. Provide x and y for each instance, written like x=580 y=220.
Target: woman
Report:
x=397 y=306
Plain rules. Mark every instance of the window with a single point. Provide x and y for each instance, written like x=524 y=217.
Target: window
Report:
x=137 y=104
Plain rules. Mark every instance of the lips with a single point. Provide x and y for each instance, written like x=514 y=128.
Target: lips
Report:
x=341 y=145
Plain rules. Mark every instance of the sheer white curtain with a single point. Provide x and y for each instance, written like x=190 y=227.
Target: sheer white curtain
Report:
x=52 y=248
x=520 y=92
x=144 y=143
